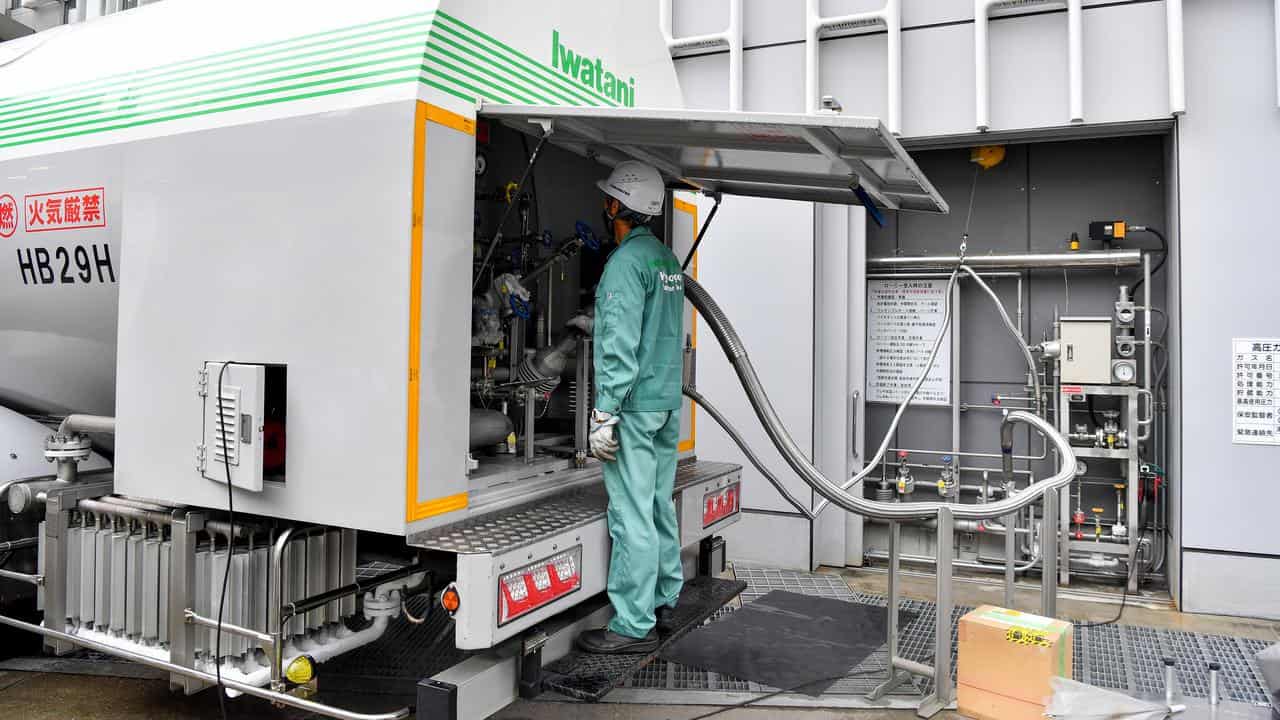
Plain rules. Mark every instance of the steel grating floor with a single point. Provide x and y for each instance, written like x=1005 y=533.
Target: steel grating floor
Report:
x=1124 y=657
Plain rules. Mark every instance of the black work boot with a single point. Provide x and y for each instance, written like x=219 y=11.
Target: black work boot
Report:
x=607 y=642
x=666 y=619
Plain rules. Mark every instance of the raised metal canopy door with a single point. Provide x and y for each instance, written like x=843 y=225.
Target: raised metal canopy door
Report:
x=819 y=158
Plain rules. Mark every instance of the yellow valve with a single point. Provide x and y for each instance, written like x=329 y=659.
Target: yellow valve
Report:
x=987 y=156
x=510 y=190
x=1075 y=242
x=493 y=363
x=902 y=486
x=301 y=670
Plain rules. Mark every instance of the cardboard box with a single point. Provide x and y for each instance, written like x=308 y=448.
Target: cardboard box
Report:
x=1005 y=661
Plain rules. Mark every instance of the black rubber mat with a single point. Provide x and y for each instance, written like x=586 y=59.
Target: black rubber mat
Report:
x=787 y=641
x=588 y=676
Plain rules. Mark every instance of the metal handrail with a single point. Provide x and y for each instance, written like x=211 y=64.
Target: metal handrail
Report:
x=247 y=689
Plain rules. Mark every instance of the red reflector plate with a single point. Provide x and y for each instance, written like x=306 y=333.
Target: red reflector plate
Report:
x=522 y=591
x=719 y=504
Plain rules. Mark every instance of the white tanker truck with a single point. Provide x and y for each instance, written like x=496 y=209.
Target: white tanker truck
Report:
x=294 y=313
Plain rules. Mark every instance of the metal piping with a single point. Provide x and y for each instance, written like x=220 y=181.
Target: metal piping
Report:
x=87 y=424
x=982 y=56
x=97 y=507
x=209 y=678
x=968 y=564
x=890 y=16
x=1014 y=261
x=298 y=607
x=730 y=38
x=18 y=544
x=1177 y=78
x=22 y=577
x=1006 y=451
x=968 y=526
x=786 y=445
x=1145 y=426
x=275 y=598
x=1017 y=336
x=139 y=504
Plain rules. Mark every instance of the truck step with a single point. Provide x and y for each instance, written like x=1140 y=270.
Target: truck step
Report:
x=589 y=676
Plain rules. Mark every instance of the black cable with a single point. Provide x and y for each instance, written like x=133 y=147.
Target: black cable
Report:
x=533 y=187
x=698 y=240
x=775 y=693
x=226 y=571
x=1093 y=414
x=1133 y=567
x=1164 y=254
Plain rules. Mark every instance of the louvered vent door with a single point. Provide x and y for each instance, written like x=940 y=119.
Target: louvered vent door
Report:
x=233 y=424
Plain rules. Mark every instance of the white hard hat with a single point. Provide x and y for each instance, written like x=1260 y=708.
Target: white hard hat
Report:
x=636 y=185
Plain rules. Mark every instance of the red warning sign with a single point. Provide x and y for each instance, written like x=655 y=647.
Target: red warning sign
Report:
x=65 y=210
x=8 y=216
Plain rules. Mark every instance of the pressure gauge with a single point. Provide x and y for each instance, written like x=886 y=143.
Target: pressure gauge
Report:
x=482 y=164
x=1124 y=372
x=1081 y=468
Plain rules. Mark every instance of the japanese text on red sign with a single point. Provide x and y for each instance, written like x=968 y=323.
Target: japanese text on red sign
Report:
x=65 y=210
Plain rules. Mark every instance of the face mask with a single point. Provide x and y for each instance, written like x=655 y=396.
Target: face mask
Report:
x=608 y=222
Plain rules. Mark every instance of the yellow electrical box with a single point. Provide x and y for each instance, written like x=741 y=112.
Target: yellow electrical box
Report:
x=1005 y=659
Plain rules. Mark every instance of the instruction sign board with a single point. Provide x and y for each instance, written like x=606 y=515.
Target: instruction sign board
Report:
x=1255 y=400
x=903 y=320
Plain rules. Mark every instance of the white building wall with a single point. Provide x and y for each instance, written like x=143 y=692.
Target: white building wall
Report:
x=1228 y=147
x=1125 y=63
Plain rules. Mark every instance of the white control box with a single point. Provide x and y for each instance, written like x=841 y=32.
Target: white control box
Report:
x=1086 y=350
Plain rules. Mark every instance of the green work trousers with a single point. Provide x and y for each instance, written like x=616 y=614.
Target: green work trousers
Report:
x=644 y=566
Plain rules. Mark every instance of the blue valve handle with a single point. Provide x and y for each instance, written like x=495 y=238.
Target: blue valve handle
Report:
x=547 y=238
x=521 y=308
x=584 y=233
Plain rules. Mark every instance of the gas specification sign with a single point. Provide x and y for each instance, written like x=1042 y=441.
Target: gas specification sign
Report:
x=1255 y=400
x=903 y=320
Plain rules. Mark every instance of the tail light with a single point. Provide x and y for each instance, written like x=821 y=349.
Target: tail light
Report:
x=719 y=504
x=522 y=591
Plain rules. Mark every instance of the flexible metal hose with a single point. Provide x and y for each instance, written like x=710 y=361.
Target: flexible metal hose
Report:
x=735 y=350
x=1017 y=336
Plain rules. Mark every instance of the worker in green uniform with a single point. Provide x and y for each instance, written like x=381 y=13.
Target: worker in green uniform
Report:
x=635 y=425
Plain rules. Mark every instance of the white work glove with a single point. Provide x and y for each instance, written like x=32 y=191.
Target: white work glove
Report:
x=604 y=437
x=583 y=323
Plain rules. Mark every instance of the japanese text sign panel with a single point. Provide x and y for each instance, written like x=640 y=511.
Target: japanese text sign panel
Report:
x=65 y=210
x=1255 y=400
x=903 y=320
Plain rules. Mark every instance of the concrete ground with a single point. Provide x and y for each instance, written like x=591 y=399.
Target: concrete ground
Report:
x=52 y=696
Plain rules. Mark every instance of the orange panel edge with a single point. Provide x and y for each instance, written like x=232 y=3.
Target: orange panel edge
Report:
x=688 y=445
x=422 y=113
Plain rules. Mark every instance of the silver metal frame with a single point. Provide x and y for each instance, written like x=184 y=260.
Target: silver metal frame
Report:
x=1129 y=456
